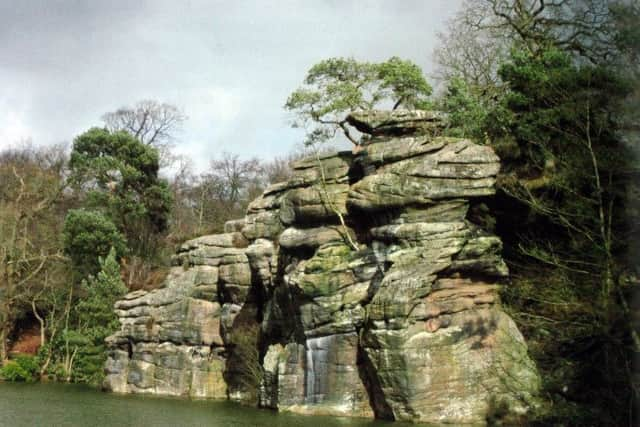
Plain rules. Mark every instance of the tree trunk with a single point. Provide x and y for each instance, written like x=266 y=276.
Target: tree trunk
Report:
x=41 y=322
x=334 y=209
x=3 y=345
x=6 y=326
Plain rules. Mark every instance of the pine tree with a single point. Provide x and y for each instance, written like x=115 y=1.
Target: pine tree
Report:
x=96 y=318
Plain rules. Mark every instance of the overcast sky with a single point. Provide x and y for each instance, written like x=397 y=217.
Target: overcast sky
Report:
x=229 y=65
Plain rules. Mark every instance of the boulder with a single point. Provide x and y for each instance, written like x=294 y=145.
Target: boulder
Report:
x=315 y=204
x=332 y=168
x=455 y=170
x=397 y=122
x=312 y=238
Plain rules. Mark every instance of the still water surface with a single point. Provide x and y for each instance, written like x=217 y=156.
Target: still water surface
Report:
x=74 y=405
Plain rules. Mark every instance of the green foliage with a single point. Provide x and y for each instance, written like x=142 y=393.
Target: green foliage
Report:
x=96 y=318
x=579 y=360
x=244 y=360
x=626 y=35
x=467 y=111
x=95 y=309
x=341 y=85
x=552 y=99
x=22 y=368
x=404 y=82
x=109 y=157
x=79 y=349
x=120 y=174
x=564 y=216
x=563 y=120
x=30 y=364
x=335 y=86
x=89 y=235
x=12 y=371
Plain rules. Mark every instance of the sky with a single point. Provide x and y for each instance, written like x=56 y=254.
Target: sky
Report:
x=228 y=65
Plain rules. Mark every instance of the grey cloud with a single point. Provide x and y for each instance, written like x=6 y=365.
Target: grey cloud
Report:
x=229 y=65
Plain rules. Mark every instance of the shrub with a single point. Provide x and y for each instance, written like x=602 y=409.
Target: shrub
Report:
x=23 y=368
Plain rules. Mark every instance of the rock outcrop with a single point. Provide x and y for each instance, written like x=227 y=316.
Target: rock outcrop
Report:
x=358 y=288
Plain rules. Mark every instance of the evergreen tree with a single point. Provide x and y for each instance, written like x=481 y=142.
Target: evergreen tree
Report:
x=97 y=319
x=336 y=86
x=120 y=174
x=89 y=235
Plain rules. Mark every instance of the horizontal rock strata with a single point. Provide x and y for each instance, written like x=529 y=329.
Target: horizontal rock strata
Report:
x=394 y=315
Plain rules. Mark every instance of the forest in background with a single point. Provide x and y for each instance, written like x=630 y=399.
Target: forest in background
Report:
x=552 y=86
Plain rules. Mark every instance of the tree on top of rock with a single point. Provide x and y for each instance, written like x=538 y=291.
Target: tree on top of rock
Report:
x=336 y=86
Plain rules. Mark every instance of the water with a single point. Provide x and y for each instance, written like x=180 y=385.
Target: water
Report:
x=73 y=405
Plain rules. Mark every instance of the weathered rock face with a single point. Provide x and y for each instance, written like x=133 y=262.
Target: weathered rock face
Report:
x=395 y=315
x=172 y=340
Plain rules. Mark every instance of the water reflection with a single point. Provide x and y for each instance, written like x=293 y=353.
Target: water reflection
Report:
x=74 y=405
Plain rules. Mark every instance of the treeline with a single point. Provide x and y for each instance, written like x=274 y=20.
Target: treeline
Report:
x=81 y=227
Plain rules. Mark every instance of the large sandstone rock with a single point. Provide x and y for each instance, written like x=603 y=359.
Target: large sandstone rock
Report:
x=171 y=339
x=395 y=314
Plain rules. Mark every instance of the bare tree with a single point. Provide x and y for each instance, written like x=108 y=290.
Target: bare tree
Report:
x=30 y=186
x=223 y=192
x=468 y=51
x=478 y=37
x=183 y=213
x=279 y=169
x=50 y=310
x=241 y=179
x=151 y=122
x=584 y=27
x=203 y=202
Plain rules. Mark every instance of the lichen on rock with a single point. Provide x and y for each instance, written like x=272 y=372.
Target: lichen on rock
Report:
x=283 y=310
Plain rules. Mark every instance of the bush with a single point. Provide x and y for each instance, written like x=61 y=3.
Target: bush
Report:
x=22 y=369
